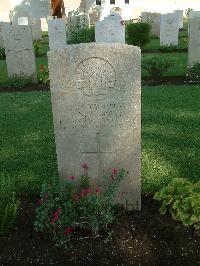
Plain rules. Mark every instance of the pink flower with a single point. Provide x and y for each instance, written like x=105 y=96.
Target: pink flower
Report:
x=114 y=171
x=68 y=230
x=97 y=190
x=72 y=177
x=85 y=166
x=55 y=216
x=85 y=191
x=40 y=201
x=75 y=197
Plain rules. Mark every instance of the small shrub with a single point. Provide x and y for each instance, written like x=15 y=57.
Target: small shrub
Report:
x=82 y=35
x=37 y=47
x=137 y=34
x=168 y=48
x=182 y=198
x=69 y=208
x=157 y=67
x=2 y=53
x=187 y=11
x=193 y=74
x=8 y=205
x=43 y=75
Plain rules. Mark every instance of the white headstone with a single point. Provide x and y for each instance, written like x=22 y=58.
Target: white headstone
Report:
x=180 y=17
x=110 y=30
x=96 y=95
x=154 y=20
x=57 y=34
x=194 y=40
x=36 y=29
x=2 y=25
x=169 y=29
x=20 y=57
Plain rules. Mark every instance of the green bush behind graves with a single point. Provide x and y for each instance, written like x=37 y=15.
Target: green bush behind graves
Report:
x=2 y=53
x=193 y=74
x=9 y=205
x=157 y=66
x=182 y=198
x=82 y=35
x=137 y=34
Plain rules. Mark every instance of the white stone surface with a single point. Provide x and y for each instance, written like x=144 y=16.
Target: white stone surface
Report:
x=169 y=29
x=154 y=20
x=57 y=34
x=23 y=21
x=36 y=29
x=180 y=17
x=2 y=25
x=96 y=101
x=110 y=30
x=194 y=40
x=20 y=57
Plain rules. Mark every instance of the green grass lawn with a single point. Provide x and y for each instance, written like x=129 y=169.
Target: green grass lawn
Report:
x=170 y=137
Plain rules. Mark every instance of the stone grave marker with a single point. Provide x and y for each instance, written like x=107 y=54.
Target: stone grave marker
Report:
x=179 y=13
x=36 y=29
x=154 y=20
x=20 y=57
x=23 y=21
x=194 y=40
x=110 y=30
x=57 y=34
x=2 y=25
x=169 y=29
x=96 y=94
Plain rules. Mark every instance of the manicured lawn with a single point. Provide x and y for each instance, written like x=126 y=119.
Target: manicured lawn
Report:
x=170 y=137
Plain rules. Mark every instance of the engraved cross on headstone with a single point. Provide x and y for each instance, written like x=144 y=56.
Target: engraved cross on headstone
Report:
x=98 y=150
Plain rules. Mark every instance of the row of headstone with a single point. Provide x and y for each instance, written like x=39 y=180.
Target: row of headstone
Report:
x=20 y=56
x=2 y=26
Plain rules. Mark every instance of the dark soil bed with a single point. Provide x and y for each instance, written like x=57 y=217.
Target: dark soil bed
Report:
x=27 y=88
x=139 y=238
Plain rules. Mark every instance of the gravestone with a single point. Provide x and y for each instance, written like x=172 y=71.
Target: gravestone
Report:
x=2 y=25
x=96 y=92
x=169 y=29
x=36 y=29
x=179 y=13
x=20 y=57
x=110 y=30
x=154 y=20
x=192 y=14
x=194 y=40
x=57 y=34
x=23 y=21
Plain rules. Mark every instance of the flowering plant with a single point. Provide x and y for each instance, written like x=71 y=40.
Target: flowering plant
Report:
x=43 y=75
x=72 y=207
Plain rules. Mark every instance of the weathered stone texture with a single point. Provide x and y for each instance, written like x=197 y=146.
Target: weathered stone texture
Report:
x=96 y=94
x=169 y=29
x=57 y=34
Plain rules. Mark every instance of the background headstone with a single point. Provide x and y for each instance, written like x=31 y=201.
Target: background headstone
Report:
x=2 y=25
x=20 y=57
x=36 y=29
x=194 y=40
x=180 y=17
x=23 y=21
x=154 y=20
x=57 y=34
x=110 y=30
x=96 y=94
x=169 y=29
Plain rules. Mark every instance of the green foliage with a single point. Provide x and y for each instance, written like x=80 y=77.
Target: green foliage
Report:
x=71 y=206
x=193 y=74
x=168 y=48
x=37 y=47
x=157 y=66
x=82 y=35
x=2 y=53
x=183 y=200
x=187 y=11
x=43 y=75
x=15 y=83
x=8 y=204
x=137 y=34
